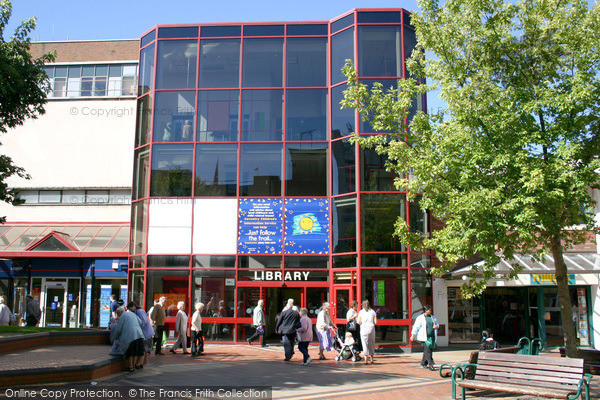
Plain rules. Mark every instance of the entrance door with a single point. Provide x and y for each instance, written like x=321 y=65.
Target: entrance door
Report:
x=341 y=303
x=54 y=304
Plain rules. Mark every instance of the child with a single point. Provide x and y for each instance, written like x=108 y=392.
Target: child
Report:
x=349 y=341
x=487 y=341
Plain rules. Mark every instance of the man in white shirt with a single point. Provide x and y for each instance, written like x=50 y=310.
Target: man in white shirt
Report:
x=5 y=314
x=259 y=322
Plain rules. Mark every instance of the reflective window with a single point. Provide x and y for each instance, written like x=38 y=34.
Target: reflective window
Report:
x=344 y=226
x=172 y=284
x=306 y=62
x=216 y=289
x=220 y=31
x=418 y=218
x=139 y=219
x=216 y=169
x=342 y=22
x=214 y=262
x=263 y=30
x=387 y=84
x=306 y=262
x=146 y=80
x=219 y=63
x=177 y=62
x=342 y=48
x=387 y=291
x=342 y=120
x=379 y=16
x=385 y=260
x=306 y=114
x=307 y=29
x=147 y=38
x=262 y=114
x=260 y=262
x=172 y=167
x=218 y=115
x=178 y=32
x=136 y=280
x=379 y=212
x=420 y=285
x=143 y=123
x=379 y=51
x=260 y=169
x=345 y=261
x=174 y=117
x=92 y=80
x=306 y=169
x=344 y=166
x=140 y=173
x=263 y=63
x=374 y=177
x=410 y=42
x=168 y=261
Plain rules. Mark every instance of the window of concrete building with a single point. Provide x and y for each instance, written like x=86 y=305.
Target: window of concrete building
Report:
x=174 y=116
x=344 y=225
x=216 y=169
x=172 y=167
x=306 y=169
x=147 y=38
x=141 y=168
x=263 y=63
x=50 y=196
x=221 y=31
x=342 y=23
x=375 y=208
x=306 y=29
x=262 y=115
x=218 y=115
x=306 y=61
x=365 y=126
x=261 y=169
x=306 y=114
x=380 y=50
x=219 y=63
x=146 y=79
x=375 y=177
x=344 y=167
x=143 y=124
x=177 y=63
x=342 y=120
x=96 y=197
x=136 y=292
x=410 y=42
x=178 y=32
x=263 y=30
x=342 y=48
x=379 y=16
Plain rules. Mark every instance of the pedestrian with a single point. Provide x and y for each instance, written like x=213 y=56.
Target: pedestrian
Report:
x=425 y=331
x=324 y=326
x=113 y=309
x=352 y=325
x=367 y=319
x=128 y=331
x=181 y=329
x=147 y=328
x=286 y=326
x=289 y=304
x=197 y=340
x=157 y=318
x=305 y=335
x=487 y=341
x=259 y=322
x=5 y=314
x=32 y=311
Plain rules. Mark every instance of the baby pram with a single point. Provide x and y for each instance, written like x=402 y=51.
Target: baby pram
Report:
x=345 y=352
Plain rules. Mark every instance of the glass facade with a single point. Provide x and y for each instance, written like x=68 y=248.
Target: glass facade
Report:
x=247 y=187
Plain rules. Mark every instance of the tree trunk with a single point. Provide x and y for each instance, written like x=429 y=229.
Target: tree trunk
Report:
x=564 y=298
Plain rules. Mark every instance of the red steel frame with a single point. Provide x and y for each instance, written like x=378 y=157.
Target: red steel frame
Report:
x=355 y=285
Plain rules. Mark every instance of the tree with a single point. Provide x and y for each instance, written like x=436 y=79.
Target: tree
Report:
x=509 y=165
x=23 y=88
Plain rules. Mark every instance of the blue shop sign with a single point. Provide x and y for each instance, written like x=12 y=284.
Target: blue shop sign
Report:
x=549 y=279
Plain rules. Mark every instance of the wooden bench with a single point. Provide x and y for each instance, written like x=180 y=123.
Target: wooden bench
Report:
x=447 y=370
x=560 y=378
x=591 y=359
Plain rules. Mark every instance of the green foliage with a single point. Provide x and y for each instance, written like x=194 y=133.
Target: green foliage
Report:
x=23 y=88
x=508 y=165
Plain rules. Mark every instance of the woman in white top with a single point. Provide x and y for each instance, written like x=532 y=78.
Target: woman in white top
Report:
x=324 y=326
x=351 y=315
x=197 y=342
x=367 y=319
x=181 y=328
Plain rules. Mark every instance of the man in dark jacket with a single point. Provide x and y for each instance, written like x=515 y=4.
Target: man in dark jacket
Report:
x=288 y=322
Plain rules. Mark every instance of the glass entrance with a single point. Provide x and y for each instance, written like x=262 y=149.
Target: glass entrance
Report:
x=54 y=304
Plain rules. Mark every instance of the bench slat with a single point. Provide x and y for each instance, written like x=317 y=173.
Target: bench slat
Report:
x=560 y=362
x=529 y=377
x=535 y=367
x=556 y=375
x=524 y=382
x=519 y=389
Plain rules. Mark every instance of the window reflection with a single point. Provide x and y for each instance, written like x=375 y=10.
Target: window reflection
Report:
x=376 y=208
x=260 y=169
x=218 y=115
x=216 y=169
x=306 y=114
x=306 y=61
x=262 y=113
x=375 y=177
x=172 y=167
x=177 y=62
x=306 y=169
x=219 y=63
x=342 y=120
x=146 y=69
x=143 y=125
x=342 y=48
x=379 y=51
x=344 y=225
x=344 y=166
x=140 y=173
x=387 y=291
x=263 y=63
x=174 y=117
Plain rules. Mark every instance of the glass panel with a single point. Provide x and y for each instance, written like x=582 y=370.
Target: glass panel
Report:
x=417 y=218
x=346 y=261
x=247 y=300
x=262 y=112
x=214 y=262
x=73 y=197
x=315 y=297
x=96 y=197
x=75 y=71
x=306 y=169
x=384 y=260
x=307 y=29
x=260 y=262
x=387 y=291
x=306 y=262
x=306 y=114
x=421 y=292
x=73 y=87
x=344 y=166
x=136 y=288
x=115 y=70
x=172 y=167
x=263 y=63
x=178 y=32
x=379 y=51
x=379 y=16
x=260 y=169
x=171 y=284
x=306 y=61
x=61 y=72
x=218 y=115
x=216 y=169
x=12 y=234
x=379 y=213
x=101 y=70
x=177 y=62
x=141 y=171
x=60 y=87
x=342 y=22
x=463 y=321
x=410 y=42
x=344 y=225
x=375 y=177
x=102 y=238
x=342 y=300
x=86 y=234
x=342 y=120
x=54 y=309
x=365 y=126
x=139 y=219
x=147 y=38
x=146 y=78
x=216 y=289
x=119 y=241
x=418 y=260
x=30 y=196
x=27 y=238
x=343 y=277
x=50 y=196
x=119 y=197
x=128 y=87
x=219 y=63
x=263 y=30
x=173 y=116
x=87 y=85
x=168 y=261
x=342 y=48
x=220 y=31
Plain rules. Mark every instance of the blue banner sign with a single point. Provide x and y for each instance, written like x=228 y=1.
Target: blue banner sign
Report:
x=307 y=226
x=549 y=279
x=260 y=226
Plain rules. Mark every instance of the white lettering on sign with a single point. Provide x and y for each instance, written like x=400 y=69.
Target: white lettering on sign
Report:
x=278 y=275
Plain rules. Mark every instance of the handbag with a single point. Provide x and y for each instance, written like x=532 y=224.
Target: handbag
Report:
x=351 y=326
x=116 y=349
x=431 y=343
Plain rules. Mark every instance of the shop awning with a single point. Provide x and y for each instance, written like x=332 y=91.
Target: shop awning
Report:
x=64 y=240
x=577 y=263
